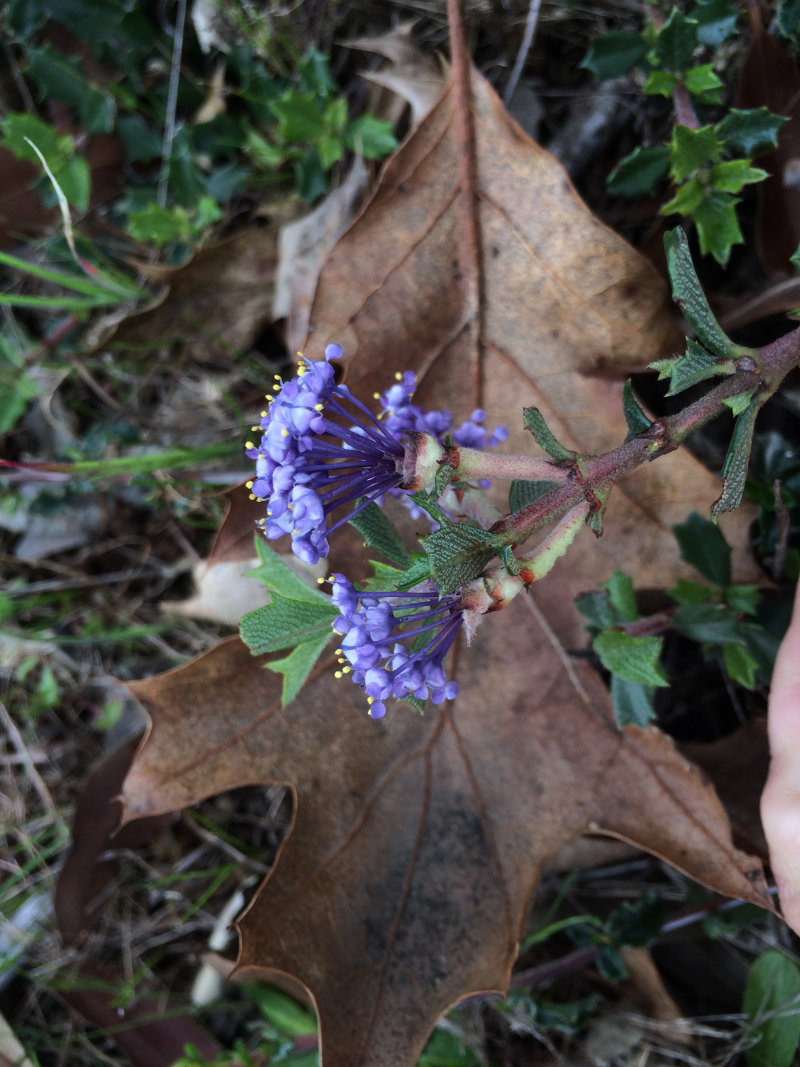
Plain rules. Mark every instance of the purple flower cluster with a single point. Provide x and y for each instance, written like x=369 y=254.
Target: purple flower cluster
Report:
x=308 y=463
x=373 y=628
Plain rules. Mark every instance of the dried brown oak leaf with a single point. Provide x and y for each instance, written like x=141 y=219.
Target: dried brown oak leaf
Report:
x=417 y=841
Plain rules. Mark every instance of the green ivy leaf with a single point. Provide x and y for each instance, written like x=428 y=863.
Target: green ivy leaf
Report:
x=708 y=624
x=703 y=546
x=636 y=419
x=298 y=115
x=717 y=226
x=703 y=82
x=622 y=596
x=688 y=197
x=660 y=83
x=371 y=137
x=740 y=665
x=751 y=131
x=770 y=1003
x=62 y=78
x=732 y=175
x=597 y=608
x=523 y=492
x=640 y=173
x=634 y=658
x=687 y=592
x=534 y=421
x=743 y=598
x=690 y=298
x=787 y=18
x=716 y=21
x=675 y=42
x=691 y=149
x=612 y=55
x=633 y=702
x=381 y=534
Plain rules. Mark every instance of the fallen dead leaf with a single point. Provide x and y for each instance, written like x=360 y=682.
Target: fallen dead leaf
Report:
x=417 y=842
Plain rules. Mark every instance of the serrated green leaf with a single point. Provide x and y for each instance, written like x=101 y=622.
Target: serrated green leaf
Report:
x=738 y=404
x=687 y=198
x=676 y=41
x=278 y=577
x=702 y=81
x=737 y=459
x=297 y=666
x=750 y=131
x=636 y=419
x=381 y=534
x=610 y=964
x=708 y=624
x=299 y=116
x=458 y=553
x=787 y=18
x=772 y=1004
x=635 y=659
x=523 y=492
x=733 y=174
x=597 y=608
x=703 y=546
x=633 y=702
x=696 y=366
x=740 y=665
x=285 y=623
x=717 y=226
x=660 y=83
x=622 y=596
x=691 y=149
x=640 y=173
x=688 y=294
x=716 y=21
x=419 y=571
x=371 y=137
x=612 y=55
x=534 y=422
x=686 y=592
x=61 y=77
x=743 y=598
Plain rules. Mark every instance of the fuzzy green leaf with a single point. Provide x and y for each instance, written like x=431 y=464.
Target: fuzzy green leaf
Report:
x=772 y=1004
x=738 y=404
x=278 y=577
x=381 y=534
x=285 y=623
x=633 y=702
x=612 y=55
x=524 y=492
x=691 y=149
x=675 y=42
x=622 y=597
x=640 y=173
x=597 y=608
x=751 y=131
x=734 y=469
x=458 y=552
x=635 y=659
x=696 y=366
x=688 y=294
x=534 y=421
x=297 y=666
x=708 y=624
x=636 y=419
x=703 y=546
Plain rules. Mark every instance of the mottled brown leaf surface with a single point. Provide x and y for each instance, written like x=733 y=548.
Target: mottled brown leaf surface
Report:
x=417 y=841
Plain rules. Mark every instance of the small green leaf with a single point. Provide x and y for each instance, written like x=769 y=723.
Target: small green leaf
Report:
x=737 y=459
x=696 y=366
x=733 y=174
x=633 y=702
x=523 y=492
x=772 y=1004
x=751 y=131
x=285 y=623
x=299 y=116
x=282 y=1011
x=612 y=55
x=676 y=41
x=458 y=552
x=278 y=577
x=610 y=964
x=743 y=598
x=691 y=149
x=689 y=296
x=716 y=21
x=686 y=592
x=708 y=624
x=622 y=596
x=381 y=534
x=738 y=404
x=297 y=666
x=660 y=83
x=640 y=173
x=142 y=144
x=703 y=546
x=787 y=18
x=635 y=659
x=717 y=226
x=688 y=197
x=370 y=137
x=702 y=81
x=534 y=421
x=636 y=419
x=740 y=665
x=597 y=608
x=419 y=571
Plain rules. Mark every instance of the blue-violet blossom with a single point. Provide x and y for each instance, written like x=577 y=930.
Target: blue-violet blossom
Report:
x=321 y=448
x=374 y=626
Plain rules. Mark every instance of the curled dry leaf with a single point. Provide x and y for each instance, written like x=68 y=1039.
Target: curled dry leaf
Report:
x=418 y=841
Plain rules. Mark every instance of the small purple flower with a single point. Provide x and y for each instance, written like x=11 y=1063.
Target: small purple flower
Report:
x=320 y=448
x=374 y=626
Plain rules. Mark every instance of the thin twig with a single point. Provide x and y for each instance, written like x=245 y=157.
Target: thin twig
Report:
x=524 y=48
x=19 y=746
x=172 y=105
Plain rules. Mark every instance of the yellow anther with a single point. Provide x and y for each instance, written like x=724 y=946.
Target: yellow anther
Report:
x=376 y=396
x=347 y=669
x=252 y=496
x=277 y=377
x=337 y=674
x=398 y=377
x=249 y=444
x=263 y=414
x=284 y=432
x=277 y=388
x=248 y=485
